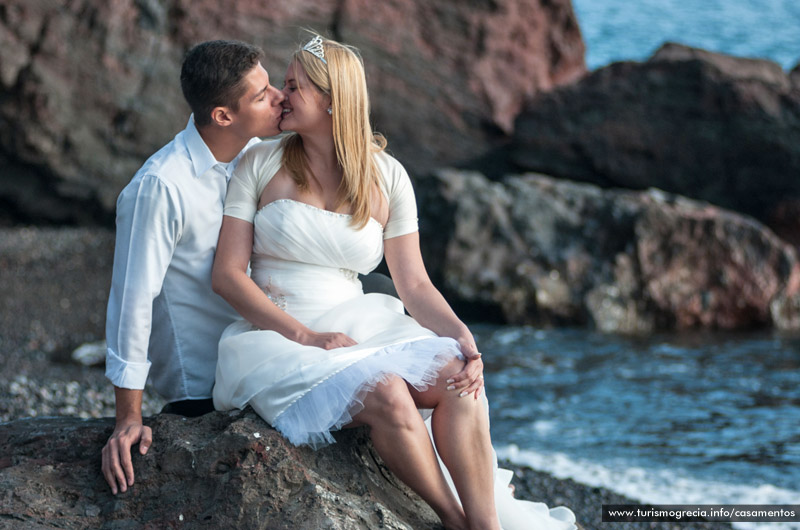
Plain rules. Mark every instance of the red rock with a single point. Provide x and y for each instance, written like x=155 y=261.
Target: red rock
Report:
x=90 y=88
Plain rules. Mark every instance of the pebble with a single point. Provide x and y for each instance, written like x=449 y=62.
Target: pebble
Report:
x=29 y=395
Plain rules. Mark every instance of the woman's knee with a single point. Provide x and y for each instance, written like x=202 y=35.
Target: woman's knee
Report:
x=430 y=397
x=391 y=403
x=449 y=370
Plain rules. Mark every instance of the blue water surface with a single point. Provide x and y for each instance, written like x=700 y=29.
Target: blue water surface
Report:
x=713 y=407
x=616 y=30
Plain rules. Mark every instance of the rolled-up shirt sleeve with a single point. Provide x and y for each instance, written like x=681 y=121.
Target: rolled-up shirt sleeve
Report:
x=148 y=228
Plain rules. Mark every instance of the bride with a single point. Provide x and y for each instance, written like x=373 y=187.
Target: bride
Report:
x=315 y=354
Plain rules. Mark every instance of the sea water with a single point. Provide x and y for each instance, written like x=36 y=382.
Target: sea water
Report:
x=690 y=418
x=620 y=29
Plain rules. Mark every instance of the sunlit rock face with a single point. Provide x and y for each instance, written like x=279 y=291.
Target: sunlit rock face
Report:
x=531 y=249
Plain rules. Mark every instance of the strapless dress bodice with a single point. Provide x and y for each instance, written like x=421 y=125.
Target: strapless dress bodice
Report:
x=308 y=259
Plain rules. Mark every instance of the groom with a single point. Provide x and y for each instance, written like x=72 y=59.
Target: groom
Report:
x=163 y=319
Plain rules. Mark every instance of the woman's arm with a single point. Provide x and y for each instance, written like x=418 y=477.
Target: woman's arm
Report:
x=229 y=279
x=428 y=307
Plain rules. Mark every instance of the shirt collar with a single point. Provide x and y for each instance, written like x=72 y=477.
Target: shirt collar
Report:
x=202 y=158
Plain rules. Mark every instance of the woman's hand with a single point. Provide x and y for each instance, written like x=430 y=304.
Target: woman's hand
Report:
x=470 y=378
x=327 y=341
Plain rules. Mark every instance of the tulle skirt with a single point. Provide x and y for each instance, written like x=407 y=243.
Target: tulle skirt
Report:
x=333 y=402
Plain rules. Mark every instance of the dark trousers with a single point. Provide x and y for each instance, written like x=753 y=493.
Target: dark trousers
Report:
x=191 y=408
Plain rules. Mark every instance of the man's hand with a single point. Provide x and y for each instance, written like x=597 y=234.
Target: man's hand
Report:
x=129 y=430
x=117 y=464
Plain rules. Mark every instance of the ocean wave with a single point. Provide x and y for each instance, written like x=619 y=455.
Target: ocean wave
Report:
x=662 y=486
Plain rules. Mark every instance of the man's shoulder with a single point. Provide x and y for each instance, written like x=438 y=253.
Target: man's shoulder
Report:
x=170 y=163
x=163 y=172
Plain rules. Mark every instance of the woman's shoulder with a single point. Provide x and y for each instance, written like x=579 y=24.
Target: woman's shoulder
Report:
x=264 y=149
x=390 y=168
x=384 y=158
x=261 y=159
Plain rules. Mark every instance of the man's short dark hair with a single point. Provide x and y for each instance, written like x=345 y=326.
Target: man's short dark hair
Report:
x=212 y=76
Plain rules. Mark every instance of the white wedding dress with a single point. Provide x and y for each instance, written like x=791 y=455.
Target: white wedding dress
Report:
x=307 y=260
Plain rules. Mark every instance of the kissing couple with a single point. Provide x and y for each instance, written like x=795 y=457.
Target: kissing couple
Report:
x=236 y=282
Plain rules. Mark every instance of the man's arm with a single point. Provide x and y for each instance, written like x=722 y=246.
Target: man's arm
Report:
x=117 y=465
x=148 y=221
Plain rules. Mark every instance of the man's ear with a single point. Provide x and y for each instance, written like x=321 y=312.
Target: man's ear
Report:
x=222 y=116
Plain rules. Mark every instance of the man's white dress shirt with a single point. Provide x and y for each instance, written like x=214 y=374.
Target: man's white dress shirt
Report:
x=163 y=319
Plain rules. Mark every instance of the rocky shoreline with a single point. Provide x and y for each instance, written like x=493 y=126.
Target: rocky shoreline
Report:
x=45 y=275
x=84 y=393
x=585 y=501
x=532 y=249
x=643 y=196
x=58 y=389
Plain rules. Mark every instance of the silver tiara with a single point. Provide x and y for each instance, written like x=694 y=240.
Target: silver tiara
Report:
x=315 y=46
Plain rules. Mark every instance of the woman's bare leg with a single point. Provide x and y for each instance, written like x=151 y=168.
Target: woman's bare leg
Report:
x=401 y=438
x=461 y=432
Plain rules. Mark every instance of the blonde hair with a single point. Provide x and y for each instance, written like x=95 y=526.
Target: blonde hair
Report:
x=344 y=80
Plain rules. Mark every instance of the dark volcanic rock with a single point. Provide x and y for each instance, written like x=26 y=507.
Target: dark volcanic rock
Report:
x=218 y=471
x=692 y=122
x=90 y=88
x=231 y=471
x=794 y=76
x=587 y=502
x=532 y=249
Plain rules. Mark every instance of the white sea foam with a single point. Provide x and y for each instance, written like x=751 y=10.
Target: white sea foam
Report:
x=666 y=486
x=508 y=336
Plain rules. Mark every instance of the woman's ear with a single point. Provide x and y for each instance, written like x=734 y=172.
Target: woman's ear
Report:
x=326 y=101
